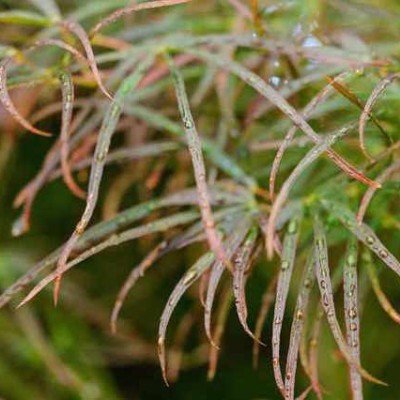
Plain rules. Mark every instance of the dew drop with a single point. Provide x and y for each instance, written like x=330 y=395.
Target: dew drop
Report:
x=275 y=81
x=383 y=253
x=187 y=123
x=353 y=326
x=370 y=240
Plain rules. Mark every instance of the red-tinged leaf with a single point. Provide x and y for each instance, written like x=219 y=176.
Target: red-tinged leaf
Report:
x=187 y=280
x=79 y=32
x=241 y=263
x=67 y=89
x=132 y=278
x=8 y=104
x=131 y=9
x=307 y=112
x=233 y=242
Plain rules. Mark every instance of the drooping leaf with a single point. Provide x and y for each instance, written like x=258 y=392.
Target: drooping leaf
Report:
x=202 y=264
x=102 y=146
x=296 y=330
x=325 y=286
x=195 y=149
x=8 y=104
x=285 y=274
x=350 y=289
x=222 y=316
x=232 y=244
x=67 y=89
x=79 y=32
x=241 y=264
x=369 y=194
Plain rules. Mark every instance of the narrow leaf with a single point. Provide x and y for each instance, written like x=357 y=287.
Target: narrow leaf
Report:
x=296 y=330
x=307 y=112
x=132 y=278
x=266 y=303
x=67 y=89
x=161 y=225
x=194 y=145
x=131 y=9
x=241 y=264
x=328 y=305
x=187 y=280
x=232 y=244
x=274 y=97
x=351 y=312
x=285 y=274
x=79 y=32
x=7 y=103
x=102 y=146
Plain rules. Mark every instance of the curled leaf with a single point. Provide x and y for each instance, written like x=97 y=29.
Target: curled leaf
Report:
x=241 y=264
x=67 y=89
x=202 y=264
x=318 y=99
x=79 y=32
x=7 y=103
x=233 y=242
x=276 y=98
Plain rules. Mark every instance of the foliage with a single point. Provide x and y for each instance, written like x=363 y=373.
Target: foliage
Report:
x=248 y=139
